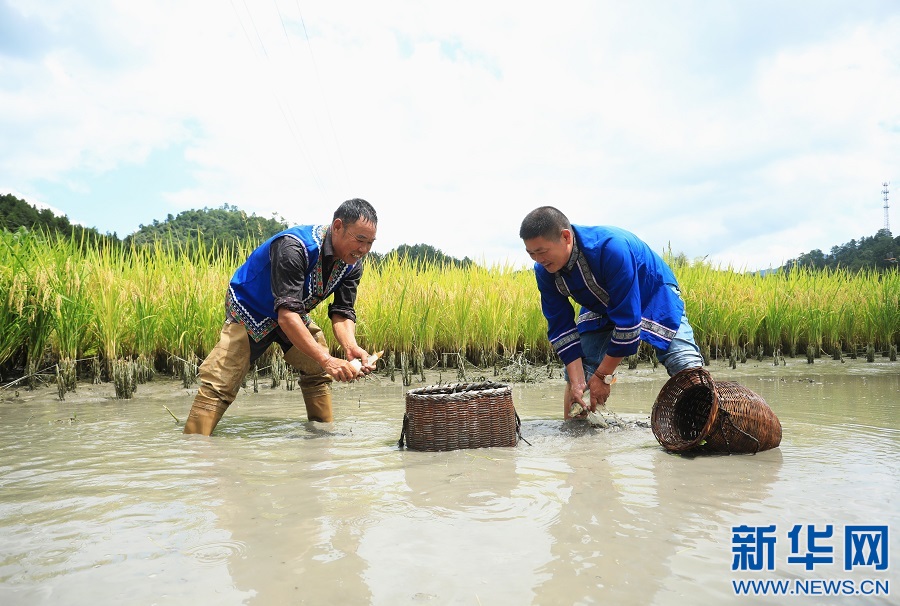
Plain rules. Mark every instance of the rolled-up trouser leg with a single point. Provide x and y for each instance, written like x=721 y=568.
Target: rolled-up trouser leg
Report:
x=220 y=377
x=683 y=352
x=315 y=384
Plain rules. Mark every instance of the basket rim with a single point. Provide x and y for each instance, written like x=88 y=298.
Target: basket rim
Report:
x=706 y=381
x=488 y=388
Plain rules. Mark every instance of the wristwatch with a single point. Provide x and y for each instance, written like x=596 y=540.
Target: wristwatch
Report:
x=608 y=379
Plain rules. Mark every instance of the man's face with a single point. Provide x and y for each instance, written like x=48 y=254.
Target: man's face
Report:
x=553 y=255
x=351 y=241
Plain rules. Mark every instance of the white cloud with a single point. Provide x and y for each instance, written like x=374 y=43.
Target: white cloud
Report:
x=743 y=132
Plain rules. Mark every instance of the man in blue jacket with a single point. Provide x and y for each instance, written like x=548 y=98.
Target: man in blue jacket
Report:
x=268 y=301
x=627 y=292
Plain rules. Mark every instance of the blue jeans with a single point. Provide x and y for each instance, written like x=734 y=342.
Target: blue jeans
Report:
x=682 y=353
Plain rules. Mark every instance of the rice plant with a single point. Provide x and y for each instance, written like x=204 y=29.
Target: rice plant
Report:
x=160 y=307
x=12 y=317
x=110 y=311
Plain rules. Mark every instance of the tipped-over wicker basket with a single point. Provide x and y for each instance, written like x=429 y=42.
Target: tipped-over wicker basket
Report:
x=694 y=413
x=460 y=415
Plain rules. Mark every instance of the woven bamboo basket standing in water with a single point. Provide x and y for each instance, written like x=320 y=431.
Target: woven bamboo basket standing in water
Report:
x=695 y=413
x=460 y=415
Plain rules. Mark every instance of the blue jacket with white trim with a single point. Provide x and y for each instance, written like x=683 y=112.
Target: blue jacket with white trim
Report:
x=627 y=287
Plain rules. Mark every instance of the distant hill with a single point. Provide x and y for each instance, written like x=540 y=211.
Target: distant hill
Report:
x=879 y=252
x=215 y=227
x=16 y=214
x=223 y=226
x=423 y=254
x=220 y=228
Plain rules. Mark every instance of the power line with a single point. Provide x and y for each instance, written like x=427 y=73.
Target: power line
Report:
x=314 y=113
x=321 y=88
x=253 y=23
x=285 y=112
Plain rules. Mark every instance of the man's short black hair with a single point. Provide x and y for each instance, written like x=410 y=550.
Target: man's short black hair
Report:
x=544 y=222
x=354 y=210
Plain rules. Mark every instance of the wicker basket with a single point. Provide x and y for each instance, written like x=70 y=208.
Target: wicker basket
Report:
x=460 y=415
x=695 y=413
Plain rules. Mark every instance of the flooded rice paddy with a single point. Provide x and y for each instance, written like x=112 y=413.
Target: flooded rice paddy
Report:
x=104 y=501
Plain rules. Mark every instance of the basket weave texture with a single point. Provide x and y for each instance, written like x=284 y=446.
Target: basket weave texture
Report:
x=460 y=415
x=695 y=413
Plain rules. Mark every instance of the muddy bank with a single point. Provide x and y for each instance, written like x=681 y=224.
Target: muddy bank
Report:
x=516 y=373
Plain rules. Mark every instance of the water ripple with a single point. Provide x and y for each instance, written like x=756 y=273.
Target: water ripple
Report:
x=218 y=552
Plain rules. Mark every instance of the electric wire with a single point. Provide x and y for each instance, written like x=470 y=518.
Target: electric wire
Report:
x=285 y=112
x=313 y=112
x=312 y=57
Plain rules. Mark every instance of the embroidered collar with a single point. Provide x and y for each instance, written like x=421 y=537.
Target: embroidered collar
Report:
x=318 y=286
x=578 y=260
x=573 y=258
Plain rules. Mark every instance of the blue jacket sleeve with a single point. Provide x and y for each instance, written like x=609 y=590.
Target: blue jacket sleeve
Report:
x=560 y=317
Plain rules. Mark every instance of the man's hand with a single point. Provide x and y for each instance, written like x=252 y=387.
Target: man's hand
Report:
x=358 y=353
x=575 y=389
x=599 y=392
x=341 y=370
x=574 y=394
x=298 y=334
x=345 y=333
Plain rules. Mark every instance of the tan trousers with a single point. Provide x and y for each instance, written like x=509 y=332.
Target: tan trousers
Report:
x=224 y=369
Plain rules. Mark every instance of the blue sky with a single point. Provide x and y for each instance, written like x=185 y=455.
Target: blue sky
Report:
x=745 y=132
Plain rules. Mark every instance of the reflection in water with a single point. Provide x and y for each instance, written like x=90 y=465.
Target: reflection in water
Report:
x=294 y=510
x=118 y=506
x=464 y=531
x=633 y=511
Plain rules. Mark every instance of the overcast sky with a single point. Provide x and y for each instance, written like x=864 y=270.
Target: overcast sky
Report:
x=747 y=131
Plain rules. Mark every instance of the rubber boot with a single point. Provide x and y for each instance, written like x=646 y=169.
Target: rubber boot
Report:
x=204 y=416
x=316 y=392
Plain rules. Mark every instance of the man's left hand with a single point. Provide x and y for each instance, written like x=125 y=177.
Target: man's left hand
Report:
x=358 y=353
x=599 y=391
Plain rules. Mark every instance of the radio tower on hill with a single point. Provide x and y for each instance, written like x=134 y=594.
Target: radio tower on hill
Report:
x=887 y=223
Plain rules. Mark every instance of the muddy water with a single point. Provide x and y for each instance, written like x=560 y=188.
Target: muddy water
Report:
x=104 y=501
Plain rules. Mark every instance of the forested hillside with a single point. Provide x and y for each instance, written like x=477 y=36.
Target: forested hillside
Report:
x=224 y=227
x=875 y=252
x=214 y=227
x=16 y=213
x=423 y=254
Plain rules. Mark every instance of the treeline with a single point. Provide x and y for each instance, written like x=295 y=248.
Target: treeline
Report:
x=228 y=229
x=420 y=255
x=879 y=252
x=215 y=231
x=16 y=214
x=209 y=229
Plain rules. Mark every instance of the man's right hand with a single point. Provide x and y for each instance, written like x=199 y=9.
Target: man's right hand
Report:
x=575 y=394
x=340 y=370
